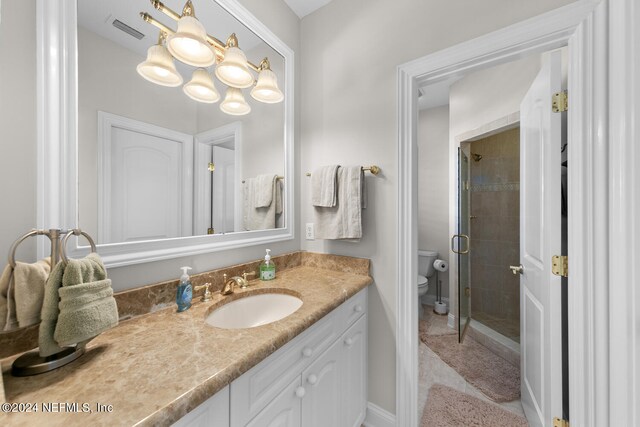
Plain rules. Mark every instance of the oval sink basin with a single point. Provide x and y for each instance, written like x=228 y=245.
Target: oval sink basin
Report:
x=253 y=310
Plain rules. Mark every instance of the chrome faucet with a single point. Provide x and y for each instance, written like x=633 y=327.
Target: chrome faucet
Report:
x=230 y=284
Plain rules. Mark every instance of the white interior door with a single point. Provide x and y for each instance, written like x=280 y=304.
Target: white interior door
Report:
x=223 y=183
x=145 y=181
x=540 y=239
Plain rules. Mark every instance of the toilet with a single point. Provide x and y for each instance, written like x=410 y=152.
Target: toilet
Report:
x=425 y=271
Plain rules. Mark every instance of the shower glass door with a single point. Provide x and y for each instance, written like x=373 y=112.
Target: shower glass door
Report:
x=464 y=265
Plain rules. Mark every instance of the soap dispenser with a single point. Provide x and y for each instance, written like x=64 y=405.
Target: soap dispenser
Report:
x=185 y=291
x=267 y=268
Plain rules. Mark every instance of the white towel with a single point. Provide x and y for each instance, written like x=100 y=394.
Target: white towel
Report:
x=343 y=221
x=261 y=218
x=263 y=191
x=324 y=182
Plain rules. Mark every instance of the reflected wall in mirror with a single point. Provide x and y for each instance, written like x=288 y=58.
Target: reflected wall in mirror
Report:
x=153 y=162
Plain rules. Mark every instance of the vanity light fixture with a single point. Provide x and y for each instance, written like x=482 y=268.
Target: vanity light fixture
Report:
x=159 y=68
x=234 y=103
x=191 y=45
x=201 y=88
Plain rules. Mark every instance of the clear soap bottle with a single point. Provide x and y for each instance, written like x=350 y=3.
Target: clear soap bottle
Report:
x=267 y=268
x=185 y=291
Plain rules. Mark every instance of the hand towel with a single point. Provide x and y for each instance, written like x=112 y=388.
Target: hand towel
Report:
x=261 y=218
x=5 y=285
x=324 y=182
x=49 y=313
x=343 y=221
x=263 y=190
x=28 y=290
x=87 y=306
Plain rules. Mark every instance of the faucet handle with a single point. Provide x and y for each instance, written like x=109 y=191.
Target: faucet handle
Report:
x=245 y=275
x=207 y=294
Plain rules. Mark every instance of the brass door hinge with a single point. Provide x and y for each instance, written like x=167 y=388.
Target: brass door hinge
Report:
x=560 y=102
x=211 y=167
x=467 y=292
x=560 y=265
x=559 y=422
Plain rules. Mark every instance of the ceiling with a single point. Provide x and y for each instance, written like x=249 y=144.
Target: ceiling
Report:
x=436 y=94
x=304 y=7
x=98 y=15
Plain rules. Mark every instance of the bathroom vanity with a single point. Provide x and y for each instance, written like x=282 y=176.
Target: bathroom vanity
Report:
x=165 y=367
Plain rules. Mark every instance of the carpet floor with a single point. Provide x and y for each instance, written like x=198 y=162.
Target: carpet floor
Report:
x=447 y=407
x=494 y=376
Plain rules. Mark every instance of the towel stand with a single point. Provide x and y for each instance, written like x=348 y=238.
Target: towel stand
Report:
x=375 y=170
x=31 y=363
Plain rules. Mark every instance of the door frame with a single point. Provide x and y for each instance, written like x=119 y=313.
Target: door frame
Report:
x=583 y=27
x=106 y=122
x=229 y=132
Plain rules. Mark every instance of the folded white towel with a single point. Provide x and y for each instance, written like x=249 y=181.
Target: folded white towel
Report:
x=263 y=191
x=28 y=285
x=324 y=182
x=343 y=221
x=261 y=218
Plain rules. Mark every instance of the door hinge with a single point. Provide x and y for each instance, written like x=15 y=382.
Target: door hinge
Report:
x=560 y=265
x=560 y=102
x=211 y=167
x=559 y=422
x=467 y=292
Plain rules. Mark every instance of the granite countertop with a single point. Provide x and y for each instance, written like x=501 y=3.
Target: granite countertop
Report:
x=155 y=368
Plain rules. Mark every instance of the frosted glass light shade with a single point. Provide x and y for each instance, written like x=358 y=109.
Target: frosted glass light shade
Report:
x=234 y=103
x=159 y=68
x=233 y=70
x=266 y=89
x=189 y=43
x=201 y=88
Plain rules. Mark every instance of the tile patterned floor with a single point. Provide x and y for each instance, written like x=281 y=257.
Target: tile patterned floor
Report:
x=433 y=370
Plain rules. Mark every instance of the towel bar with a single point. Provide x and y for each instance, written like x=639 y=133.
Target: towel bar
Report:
x=280 y=177
x=375 y=170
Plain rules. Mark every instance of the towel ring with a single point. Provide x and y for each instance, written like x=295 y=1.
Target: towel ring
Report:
x=12 y=251
x=75 y=232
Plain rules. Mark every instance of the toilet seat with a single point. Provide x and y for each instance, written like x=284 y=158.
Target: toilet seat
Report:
x=422 y=281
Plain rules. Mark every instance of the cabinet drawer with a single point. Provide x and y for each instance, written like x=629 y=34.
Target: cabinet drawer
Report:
x=255 y=388
x=353 y=309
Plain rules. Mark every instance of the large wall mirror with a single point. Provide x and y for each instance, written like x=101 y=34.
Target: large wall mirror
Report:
x=176 y=146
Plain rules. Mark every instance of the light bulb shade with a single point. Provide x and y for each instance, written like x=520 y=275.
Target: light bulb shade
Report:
x=159 y=68
x=266 y=89
x=233 y=70
x=234 y=103
x=189 y=43
x=201 y=88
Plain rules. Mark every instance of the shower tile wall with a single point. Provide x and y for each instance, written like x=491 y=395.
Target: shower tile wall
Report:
x=495 y=236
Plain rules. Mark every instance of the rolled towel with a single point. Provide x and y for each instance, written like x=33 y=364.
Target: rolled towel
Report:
x=28 y=290
x=49 y=314
x=324 y=183
x=87 y=306
x=86 y=310
x=6 y=282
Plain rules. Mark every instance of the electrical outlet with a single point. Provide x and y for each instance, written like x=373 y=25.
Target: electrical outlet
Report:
x=310 y=234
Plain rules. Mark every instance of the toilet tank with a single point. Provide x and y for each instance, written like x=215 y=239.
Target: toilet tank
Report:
x=425 y=262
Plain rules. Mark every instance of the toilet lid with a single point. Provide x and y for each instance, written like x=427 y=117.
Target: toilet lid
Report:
x=422 y=280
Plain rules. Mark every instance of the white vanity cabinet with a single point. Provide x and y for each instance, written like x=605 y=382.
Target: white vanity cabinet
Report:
x=318 y=379
x=312 y=375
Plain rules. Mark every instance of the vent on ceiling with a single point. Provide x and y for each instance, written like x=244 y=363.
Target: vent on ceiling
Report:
x=127 y=29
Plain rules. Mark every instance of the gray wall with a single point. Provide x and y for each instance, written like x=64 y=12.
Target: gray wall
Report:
x=351 y=49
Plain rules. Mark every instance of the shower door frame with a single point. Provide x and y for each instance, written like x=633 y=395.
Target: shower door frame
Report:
x=583 y=27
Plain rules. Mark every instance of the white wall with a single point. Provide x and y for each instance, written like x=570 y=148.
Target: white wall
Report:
x=351 y=49
x=433 y=187
x=17 y=127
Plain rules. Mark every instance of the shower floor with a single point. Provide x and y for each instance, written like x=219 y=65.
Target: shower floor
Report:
x=508 y=328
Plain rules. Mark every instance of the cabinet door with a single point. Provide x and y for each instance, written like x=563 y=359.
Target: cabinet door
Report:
x=283 y=410
x=354 y=374
x=323 y=400
x=213 y=412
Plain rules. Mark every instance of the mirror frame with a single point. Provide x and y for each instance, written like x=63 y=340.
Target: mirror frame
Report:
x=57 y=148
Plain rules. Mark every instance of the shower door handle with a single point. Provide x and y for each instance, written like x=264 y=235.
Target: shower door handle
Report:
x=517 y=269
x=461 y=236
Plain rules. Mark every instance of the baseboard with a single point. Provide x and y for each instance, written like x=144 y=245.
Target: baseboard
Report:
x=378 y=417
x=451 y=321
x=431 y=300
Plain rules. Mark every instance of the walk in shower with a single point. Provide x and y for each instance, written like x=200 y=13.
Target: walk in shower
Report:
x=489 y=209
